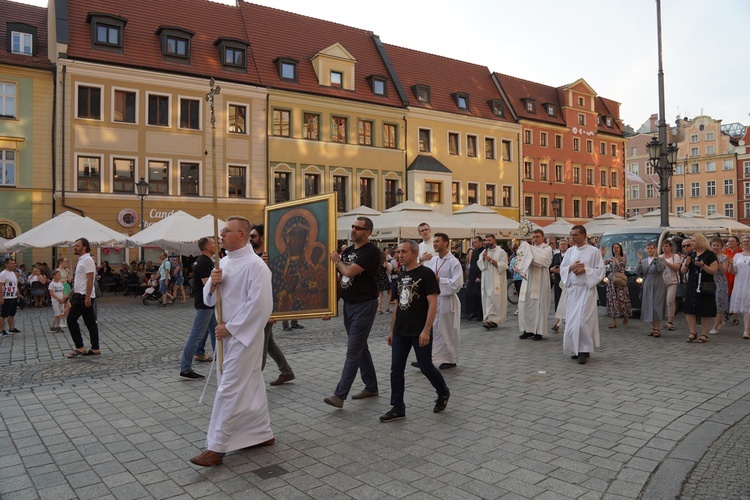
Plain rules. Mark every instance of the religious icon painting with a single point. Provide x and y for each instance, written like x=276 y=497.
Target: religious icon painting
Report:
x=300 y=236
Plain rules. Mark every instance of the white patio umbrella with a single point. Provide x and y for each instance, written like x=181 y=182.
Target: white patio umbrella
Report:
x=484 y=220
x=63 y=231
x=177 y=233
x=653 y=219
x=401 y=221
x=728 y=223
x=599 y=225
x=559 y=228
x=2 y=245
x=344 y=221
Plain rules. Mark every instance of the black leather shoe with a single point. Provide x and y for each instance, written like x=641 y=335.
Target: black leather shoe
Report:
x=538 y=337
x=441 y=403
x=415 y=364
x=526 y=335
x=445 y=366
x=582 y=358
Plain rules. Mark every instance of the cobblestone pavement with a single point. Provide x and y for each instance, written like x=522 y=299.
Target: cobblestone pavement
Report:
x=524 y=421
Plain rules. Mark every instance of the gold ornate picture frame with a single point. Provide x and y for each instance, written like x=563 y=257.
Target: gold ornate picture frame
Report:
x=300 y=236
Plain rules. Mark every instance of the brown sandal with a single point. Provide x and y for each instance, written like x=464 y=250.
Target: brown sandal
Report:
x=656 y=333
x=691 y=337
x=703 y=339
x=75 y=353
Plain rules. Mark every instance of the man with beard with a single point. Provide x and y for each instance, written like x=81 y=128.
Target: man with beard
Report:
x=82 y=301
x=493 y=262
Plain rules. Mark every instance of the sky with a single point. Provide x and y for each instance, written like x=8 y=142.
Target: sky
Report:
x=612 y=44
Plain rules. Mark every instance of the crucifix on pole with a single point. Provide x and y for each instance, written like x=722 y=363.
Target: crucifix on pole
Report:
x=215 y=90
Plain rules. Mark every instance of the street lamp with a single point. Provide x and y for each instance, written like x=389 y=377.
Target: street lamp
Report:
x=556 y=207
x=663 y=158
x=399 y=196
x=141 y=191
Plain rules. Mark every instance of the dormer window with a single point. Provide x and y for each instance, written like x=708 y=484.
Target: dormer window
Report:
x=608 y=121
x=21 y=43
x=337 y=77
x=496 y=105
x=529 y=104
x=232 y=53
x=287 y=68
x=422 y=93
x=550 y=109
x=175 y=43
x=461 y=99
x=106 y=31
x=378 y=84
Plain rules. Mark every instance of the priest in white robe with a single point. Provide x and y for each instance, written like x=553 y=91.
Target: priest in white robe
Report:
x=239 y=418
x=493 y=263
x=446 y=328
x=532 y=262
x=581 y=270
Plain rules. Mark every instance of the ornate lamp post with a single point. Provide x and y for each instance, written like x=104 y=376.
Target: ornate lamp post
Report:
x=141 y=190
x=556 y=207
x=663 y=158
x=399 y=195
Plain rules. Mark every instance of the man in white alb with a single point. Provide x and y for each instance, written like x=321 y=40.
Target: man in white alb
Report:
x=581 y=270
x=493 y=262
x=532 y=262
x=447 y=325
x=239 y=418
x=426 y=248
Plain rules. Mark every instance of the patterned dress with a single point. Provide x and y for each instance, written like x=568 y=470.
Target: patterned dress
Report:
x=618 y=297
x=722 y=288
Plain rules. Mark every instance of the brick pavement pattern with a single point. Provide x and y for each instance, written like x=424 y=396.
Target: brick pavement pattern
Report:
x=524 y=420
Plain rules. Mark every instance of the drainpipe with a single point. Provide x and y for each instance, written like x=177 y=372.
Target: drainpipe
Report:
x=62 y=141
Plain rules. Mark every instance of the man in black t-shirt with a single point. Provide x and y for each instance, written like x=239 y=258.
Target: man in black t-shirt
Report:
x=411 y=326
x=204 y=322
x=358 y=265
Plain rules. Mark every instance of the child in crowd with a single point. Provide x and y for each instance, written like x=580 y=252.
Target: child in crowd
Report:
x=58 y=299
x=152 y=284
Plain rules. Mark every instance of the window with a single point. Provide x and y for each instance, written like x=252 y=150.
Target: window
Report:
x=425 y=144
x=281 y=122
x=391 y=188
x=471 y=146
x=747 y=189
x=728 y=165
x=590 y=176
x=696 y=209
x=176 y=46
x=633 y=151
x=634 y=168
x=237 y=181
x=635 y=192
x=107 y=34
x=337 y=78
x=422 y=93
x=124 y=106
x=529 y=104
x=602 y=207
x=287 y=69
x=550 y=110
x=590 y=209
x=389 y=135
x=311 y=126
x=581 y=101
x=747 y=210
x=489 y=148
x=558 y=141
x=559 y=174
x=543 y=172
x=234 y=56
x=158 y=110
x=461 y=99
x=89 y=102
x=527 y=137
x=123 y=175
x=709 y=136
x=695 y=189
x=694 y=138
x=189 y=179
x=365 y=191
x=339 y=186
x=106 y=31
x=746 y=166
x=432 y=192
x=89 y=173
x=576 y=175
x=728 y=186
x=237 y=119
x=695 y=168
x=281 y=186
x=490 y=195
x=528 y=170
x=543 y=207
x=7 y=100
x=614 y=149
x=710 y=150
x=158 y=177
x=602 y=148
x=615 y=208
x=693 y=151
x=650 y=191
x=710 y=209
x=496 y=105
x=453 y=143
x=455 y=192
x=378 y=85
x=543 y=139
x=339 y=129
x=506 y=150
x=710 y=188
x=576 y=144
x=312 y=184
x=471 y=192
x=729 y=210
x=364 y=132
x=603 y=178
x=589 y=146
x=528 y=205
x=7 y=167
x=581 y=119
x=614 y=180
x=21 y=43
x=679 y=169
x=710 y=166
x=190 y=112
x=232 y=53
x=507 y=196
x=680 y=210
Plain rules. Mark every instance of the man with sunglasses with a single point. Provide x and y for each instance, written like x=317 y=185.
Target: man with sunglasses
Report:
x=358 y=266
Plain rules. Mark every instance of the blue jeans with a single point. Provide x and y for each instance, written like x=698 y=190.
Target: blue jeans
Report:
x=358 y=320
x=204 y=324
x=400 y=353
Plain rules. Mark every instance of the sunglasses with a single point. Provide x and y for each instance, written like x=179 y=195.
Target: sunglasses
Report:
x=359 y=228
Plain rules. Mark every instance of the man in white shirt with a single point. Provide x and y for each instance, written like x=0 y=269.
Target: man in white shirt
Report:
x=426 y=248
x=82 y=298
x=8 y=297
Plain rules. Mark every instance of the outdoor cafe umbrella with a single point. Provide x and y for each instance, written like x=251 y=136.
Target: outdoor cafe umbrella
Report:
x=559 y=228
x=63 y=231
x=178 y=233
x=603 y=223
x=2 y=245
x=344 y=221
x=653 y=219
x=728 y=223
x=401 y=221
x=484 y=220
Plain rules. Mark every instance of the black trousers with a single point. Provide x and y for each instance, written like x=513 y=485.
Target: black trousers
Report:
x=89 y=318
x=474 y=300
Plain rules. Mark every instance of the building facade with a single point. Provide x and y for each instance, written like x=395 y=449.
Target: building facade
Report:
x=743 y=176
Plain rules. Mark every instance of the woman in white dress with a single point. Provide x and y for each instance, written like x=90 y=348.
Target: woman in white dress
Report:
x=740 y=302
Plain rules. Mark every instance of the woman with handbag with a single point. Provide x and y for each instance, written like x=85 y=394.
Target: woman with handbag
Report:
x=618 y=297
x=700 y=298
x=654 y=301
x=673 y=262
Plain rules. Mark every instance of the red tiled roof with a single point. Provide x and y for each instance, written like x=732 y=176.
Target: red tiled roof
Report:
x=445 y=76
x=141 y=46
x=609 y=107
x=14 y=12
x=276 y=33
x=517 y=89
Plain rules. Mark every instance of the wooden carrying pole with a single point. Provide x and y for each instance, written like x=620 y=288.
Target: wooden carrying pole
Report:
x=215 y=90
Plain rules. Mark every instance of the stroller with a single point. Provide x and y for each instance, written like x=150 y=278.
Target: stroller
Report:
x=151 y=293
